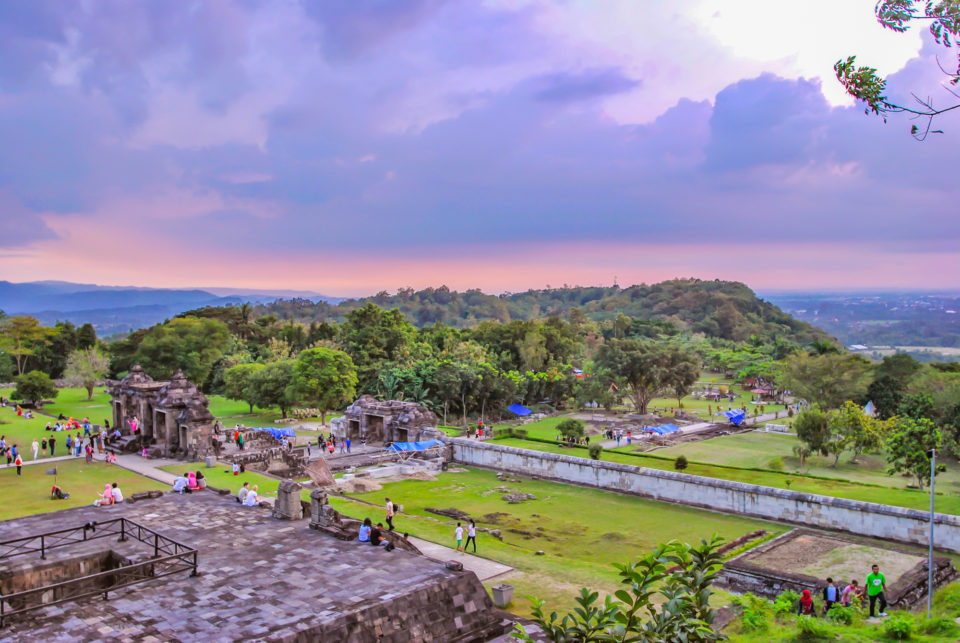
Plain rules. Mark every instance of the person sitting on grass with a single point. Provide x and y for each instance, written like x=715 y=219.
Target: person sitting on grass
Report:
x=806 y=606
x=252 y=499
x=365 y=529
x=56 y=493
x=180 y=484
x=106 y=498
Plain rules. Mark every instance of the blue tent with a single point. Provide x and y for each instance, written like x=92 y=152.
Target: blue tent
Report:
x=663 y=429
x=736 y=416
x=516 y=409
x=284 y=432
x=414 y=446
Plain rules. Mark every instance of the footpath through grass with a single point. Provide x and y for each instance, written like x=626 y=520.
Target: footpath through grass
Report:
x=30 y=493
x=913 y=499
x=580 y=531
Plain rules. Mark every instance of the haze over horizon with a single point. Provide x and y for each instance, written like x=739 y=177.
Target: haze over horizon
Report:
x=347 y=148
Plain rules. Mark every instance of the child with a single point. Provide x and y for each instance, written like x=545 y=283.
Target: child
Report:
x=143 y=454
x=460 y=547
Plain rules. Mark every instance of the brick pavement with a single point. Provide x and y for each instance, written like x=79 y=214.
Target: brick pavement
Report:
x=263 y=579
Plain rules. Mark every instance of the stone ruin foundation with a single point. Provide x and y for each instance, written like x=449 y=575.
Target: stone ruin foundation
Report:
x=777 y=566
x=386 y=421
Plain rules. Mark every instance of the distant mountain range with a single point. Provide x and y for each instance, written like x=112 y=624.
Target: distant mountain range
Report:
x=119 y=309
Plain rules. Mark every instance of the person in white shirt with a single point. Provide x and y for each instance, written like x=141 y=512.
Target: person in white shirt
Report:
x=117 y=494
x=252 y=499
x=471 y=536
x=459 y=538
x=36 y=449
x=180 y=484
x=242 y=494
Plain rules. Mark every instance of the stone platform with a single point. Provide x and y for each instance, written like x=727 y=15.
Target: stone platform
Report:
x=262 y=579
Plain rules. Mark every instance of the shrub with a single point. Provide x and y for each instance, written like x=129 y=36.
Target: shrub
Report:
x=899 y=627
x=754 y=612
x=518 y=433
x=595 y=450
x=843 y=615
x=680 y=463
x=775 y=464
x=571 y=428
x=942 y=627
x=786 y=603
x=810 y=628
x=790 y=412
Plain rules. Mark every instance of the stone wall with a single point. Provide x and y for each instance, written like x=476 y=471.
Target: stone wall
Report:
x=824 y=512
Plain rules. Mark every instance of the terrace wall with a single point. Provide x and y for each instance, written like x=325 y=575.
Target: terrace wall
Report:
x=811 y=510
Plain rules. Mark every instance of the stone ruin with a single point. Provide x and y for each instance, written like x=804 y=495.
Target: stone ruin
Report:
x=273 y=459
x=328 y=520
x=173 y=418
x=388 y=421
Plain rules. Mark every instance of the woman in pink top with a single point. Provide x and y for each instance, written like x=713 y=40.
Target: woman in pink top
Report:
x=106 y=498
x=192 y=481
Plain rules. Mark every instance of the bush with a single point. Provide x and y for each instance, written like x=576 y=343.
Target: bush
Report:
x=843 y=615
x=680 y=463
x=810 y=628
x=754 y=612
x=518 y=433
x=942 y=627
x=899 y=627
x=775 y=464
x=34 y=387
x=790 y=412
x=571 y=428
x=786 y=603
x=595 y=450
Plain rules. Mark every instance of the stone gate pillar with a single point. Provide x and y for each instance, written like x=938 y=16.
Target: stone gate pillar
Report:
x=288 y=506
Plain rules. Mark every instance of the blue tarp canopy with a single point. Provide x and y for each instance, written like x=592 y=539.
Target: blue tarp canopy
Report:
x=735 y=416
x=284 y=432
x=517 y=409
x=414 y=446
x=663 y=429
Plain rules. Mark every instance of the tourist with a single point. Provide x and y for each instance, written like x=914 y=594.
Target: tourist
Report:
x=9 y=456
x=852 y=592
x=43 y=445
x=242 y=494
x=348 y=444
x=377 y=539
x=830 y=595
x=117 y=494
x=330 y=447
x=459 y=532
x=52 y=442
x=144 y=454
x=192 y=482
x=56 y=493
x=806 y=606
x=180 y=484
x=471 y=536
x=236 y=469
x=343 y=447
x=365 y=529
x=89 y=454
x=19 y=464
x=390 y=512
x=106 y=498
x=36 y=448
x=240 y=441
x=201 y=480
x=876 y=584
x=252 y=499
x=69 y=443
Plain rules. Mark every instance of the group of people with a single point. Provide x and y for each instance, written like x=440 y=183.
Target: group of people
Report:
x=481 y=430
x=330 y=443
x=850 y=596
x=111 y=495
x=248 y=496
x=618 y=434
x=13 y=454
x=189 y=482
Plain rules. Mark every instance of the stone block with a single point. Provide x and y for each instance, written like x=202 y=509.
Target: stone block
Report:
x=287 y=505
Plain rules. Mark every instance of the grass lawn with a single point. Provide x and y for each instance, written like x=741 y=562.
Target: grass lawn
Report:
x=22 y=432
x=757 y=449
x=231 y=412
x=914 y=499
x=581 y=531
x=30 y=493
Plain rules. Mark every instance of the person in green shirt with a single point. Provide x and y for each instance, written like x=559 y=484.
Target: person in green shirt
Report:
x=876 y=583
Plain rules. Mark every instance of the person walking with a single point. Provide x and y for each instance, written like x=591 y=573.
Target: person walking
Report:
x=831 y=595
x=390 y=512
x=52 y=443
x=36 y=448
x=459 y=532
x=471 y=536
x=19 y=464
x=348 y=444
x=876 y=584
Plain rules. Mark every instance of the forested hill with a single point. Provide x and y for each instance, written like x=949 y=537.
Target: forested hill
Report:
x=724 y=309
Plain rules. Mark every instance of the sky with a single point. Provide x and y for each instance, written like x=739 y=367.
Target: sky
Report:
x=353 y=146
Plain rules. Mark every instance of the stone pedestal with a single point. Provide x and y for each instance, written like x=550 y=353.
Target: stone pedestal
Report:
x=287 y=506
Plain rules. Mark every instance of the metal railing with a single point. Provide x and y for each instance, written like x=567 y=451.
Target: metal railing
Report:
x=169 y=557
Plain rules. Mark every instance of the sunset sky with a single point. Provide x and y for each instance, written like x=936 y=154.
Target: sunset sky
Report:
x=353 y=146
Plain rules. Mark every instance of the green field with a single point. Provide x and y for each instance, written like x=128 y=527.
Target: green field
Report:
x=914 y=499
x=757 y=449
x=72 y=402
x=581 y=531
x=221 y=476
x=30 y=493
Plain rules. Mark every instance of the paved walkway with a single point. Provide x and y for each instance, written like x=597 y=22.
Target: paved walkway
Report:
x=148 y=468
x=484 y=569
